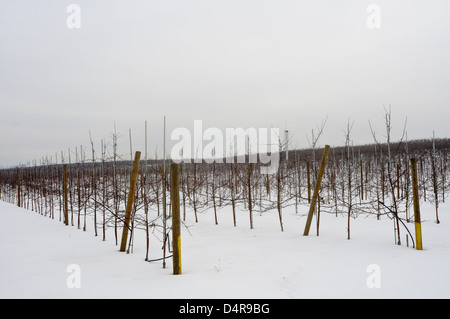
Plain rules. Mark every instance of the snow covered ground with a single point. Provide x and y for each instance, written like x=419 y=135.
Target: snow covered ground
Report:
x=222 y=261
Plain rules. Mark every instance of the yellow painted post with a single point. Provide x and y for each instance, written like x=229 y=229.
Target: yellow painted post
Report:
x=176 y=229
x=316 y=190
x=415 y=187
x=130 y=201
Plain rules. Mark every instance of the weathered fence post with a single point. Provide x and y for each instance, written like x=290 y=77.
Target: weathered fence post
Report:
x=415 y=187
x=316 y=190
x=18 y=188
x=308 y=174
x=176 y=228
x=130 y=201
x=362 y=178
x=66 y=203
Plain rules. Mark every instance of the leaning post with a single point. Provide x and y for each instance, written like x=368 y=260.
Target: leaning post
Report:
x=126 y=224
x=316 y=190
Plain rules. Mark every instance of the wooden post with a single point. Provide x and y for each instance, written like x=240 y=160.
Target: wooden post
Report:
x=130 y=201
x=249 y=175
x=164 y=196
x=362 y=178
x=309 y=182
x=66 y=203
x=176 y=229
x=316 y=190
x=415 y=187
x=18 y=188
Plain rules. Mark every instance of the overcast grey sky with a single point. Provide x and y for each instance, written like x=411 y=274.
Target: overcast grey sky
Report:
x=230 y=63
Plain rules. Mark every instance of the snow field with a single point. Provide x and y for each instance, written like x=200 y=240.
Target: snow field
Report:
x=223 y=261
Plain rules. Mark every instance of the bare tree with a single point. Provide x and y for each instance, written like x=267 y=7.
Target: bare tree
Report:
x=393 y=206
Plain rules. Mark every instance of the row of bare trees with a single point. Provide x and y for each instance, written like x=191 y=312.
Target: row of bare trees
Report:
x=369 y=179
x=354 y=182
